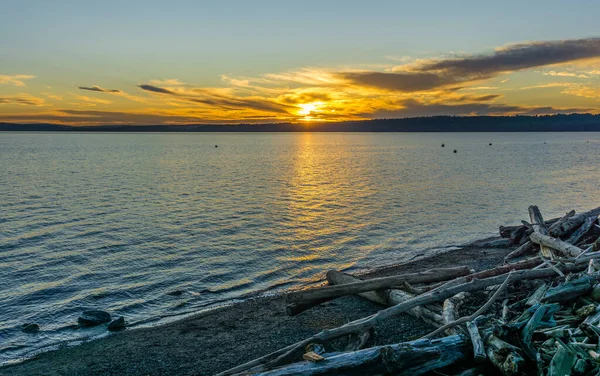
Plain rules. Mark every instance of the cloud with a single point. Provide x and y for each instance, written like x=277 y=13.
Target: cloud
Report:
x=99 y=89
x=211 y=98
x=564 y=74
x=91 y=100
x=22 y=99
x=414 y=108
x=167 y=82
x=16 y=80
x=436 y=73
x=92 y=117
x=156 y=89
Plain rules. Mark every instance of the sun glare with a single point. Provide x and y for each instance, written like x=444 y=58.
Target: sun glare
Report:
x=307 y=108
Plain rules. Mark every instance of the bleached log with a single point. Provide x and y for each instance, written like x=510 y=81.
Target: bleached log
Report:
x=389 y=297
x=550 y=242
x=436 y=275
x=450 y=311
x=410 y=358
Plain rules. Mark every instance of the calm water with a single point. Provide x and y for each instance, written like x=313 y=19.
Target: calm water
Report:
x=155 y=225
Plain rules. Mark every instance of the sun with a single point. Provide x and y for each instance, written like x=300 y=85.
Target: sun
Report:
x=307 y=108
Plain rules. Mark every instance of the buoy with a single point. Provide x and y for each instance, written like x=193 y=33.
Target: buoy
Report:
x=455 y=151
x=443 y=145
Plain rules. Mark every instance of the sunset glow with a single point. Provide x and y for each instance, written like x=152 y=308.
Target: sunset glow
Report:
x=199 y=79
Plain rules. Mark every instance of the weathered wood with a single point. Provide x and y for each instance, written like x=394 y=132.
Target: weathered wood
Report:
x=387 y=297
x=537 y=295
x=431 y=297
x=562 y=361
x=581 y=231
x=537 y=221
x=570 y=290
x=553 y=230
x=504 y=356
x=563 y=247
x=478 y=348
x=534 y=322
x=521 y=250
x=410 y=358
x=521 y=265
x=450 y=311
x=294 y=309
x=436 y=275
x=539 y=227
x=570 y=225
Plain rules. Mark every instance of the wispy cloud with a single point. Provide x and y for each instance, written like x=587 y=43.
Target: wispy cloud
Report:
x=436 y=73
x=99 y=89
x=17 y=80
x=21 y=99
x=564 y=74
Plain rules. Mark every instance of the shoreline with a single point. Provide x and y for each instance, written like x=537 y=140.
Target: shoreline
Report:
x=219 y=338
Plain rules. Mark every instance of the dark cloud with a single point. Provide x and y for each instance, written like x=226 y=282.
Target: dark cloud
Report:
x=26 y=100
x=99 y=89
x=415 y=108
x=447 y=72
x=156 y=89
x=216 y=100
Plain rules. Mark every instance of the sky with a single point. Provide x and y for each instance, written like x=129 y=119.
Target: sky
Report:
x=178 y=62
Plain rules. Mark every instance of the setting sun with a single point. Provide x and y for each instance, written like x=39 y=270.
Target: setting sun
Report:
x=307 y=108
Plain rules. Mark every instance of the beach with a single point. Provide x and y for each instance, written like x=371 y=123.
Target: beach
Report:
x=219 y=339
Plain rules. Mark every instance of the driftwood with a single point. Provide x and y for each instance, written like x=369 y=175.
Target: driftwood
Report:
x=521 y=250
x=450 y=311
x=387 y=298
x=553 y=230
x=570 y=290
x=294 y=350
x=504 y=356
x=410 y=358
x=539 y=227
x=550 y=242
x=428 y=276
x=569 y=225
x=554 y=327
x=478 y=347
x=581 y=231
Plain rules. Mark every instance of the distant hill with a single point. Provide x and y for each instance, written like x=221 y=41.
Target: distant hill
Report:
x=546 y=123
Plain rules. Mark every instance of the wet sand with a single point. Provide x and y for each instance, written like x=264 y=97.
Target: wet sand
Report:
x=217 y=340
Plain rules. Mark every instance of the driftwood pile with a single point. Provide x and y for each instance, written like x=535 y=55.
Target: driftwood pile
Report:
x=538 y=316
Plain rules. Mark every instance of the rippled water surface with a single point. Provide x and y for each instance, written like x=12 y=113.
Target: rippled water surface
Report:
x=153 y=225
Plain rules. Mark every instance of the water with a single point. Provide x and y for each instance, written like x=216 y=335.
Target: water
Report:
x=155 y=225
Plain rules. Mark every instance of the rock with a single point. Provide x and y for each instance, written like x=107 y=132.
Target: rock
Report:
x=116 y=325
x=93 y=318
x=30 y=328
